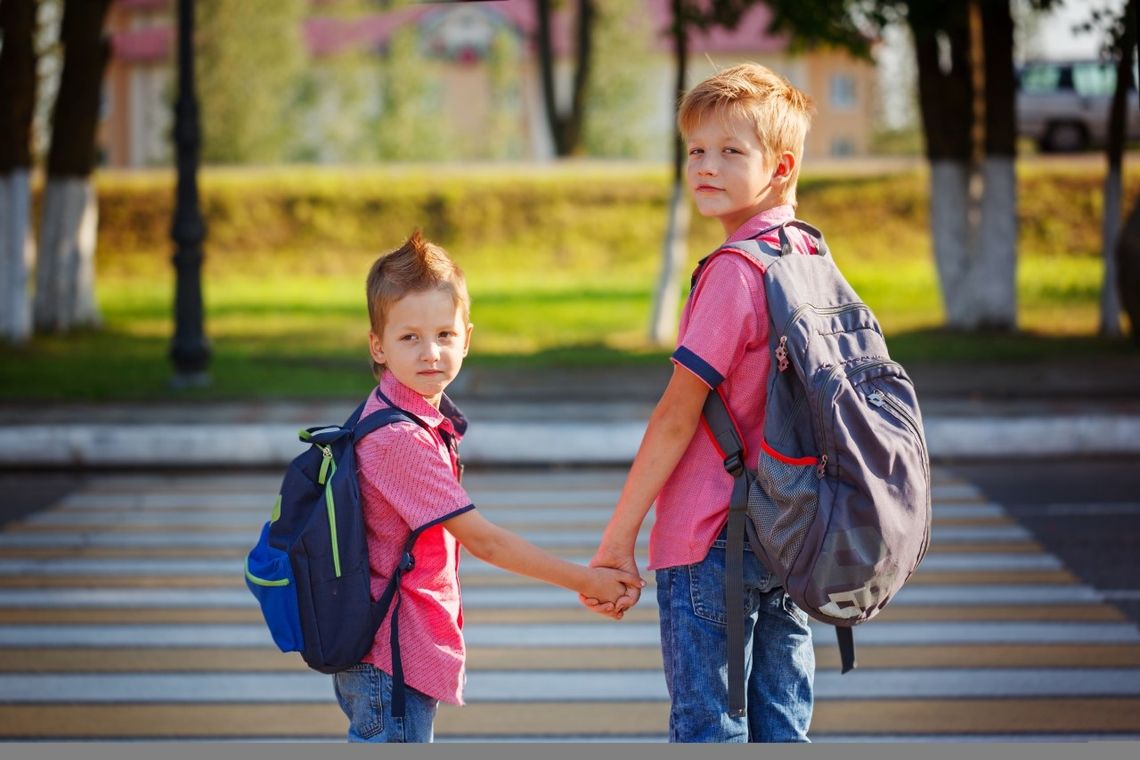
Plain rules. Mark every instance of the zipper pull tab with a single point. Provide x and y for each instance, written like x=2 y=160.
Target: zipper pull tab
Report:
x=821 y=468
x=323 y=475
x=782 y=354
x=876 y=398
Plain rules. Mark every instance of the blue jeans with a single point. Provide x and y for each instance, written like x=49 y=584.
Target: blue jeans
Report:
x=365 y=695
x=779 y=661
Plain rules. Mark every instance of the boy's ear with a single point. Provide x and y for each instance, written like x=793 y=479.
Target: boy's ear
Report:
x=374 y=347
x=467 y=339
x=785 y=164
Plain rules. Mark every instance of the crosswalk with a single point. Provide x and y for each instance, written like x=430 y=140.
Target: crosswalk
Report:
x=123 y=616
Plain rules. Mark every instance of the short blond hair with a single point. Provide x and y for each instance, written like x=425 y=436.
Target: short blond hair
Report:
x=780 y=113
x=416 y=266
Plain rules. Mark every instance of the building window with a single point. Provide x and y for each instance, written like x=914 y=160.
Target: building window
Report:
x=842 y=146
x=842 y=92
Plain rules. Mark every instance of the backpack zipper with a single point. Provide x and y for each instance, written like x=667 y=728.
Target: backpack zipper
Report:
x=831 y=377
x=837 y=309
x=879 y=398
x=328 y=469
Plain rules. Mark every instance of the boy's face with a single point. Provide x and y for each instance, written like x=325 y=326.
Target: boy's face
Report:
x=423 y=342
x=727 y=171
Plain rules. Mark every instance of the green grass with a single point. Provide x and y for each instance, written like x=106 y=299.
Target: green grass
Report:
x=281 y=336
x=290 y=320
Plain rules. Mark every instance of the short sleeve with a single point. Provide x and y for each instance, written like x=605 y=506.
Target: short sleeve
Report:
x=406 y=466
x=724 y=318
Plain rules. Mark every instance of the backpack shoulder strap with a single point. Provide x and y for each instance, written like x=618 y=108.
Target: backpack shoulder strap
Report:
x=380 y=418
x=327 y=434
x=811 y=231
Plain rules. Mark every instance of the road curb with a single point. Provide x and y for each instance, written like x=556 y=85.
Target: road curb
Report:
x=521 y=443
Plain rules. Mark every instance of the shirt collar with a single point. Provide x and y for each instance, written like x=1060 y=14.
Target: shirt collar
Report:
x=448 y=414
x=762 y=221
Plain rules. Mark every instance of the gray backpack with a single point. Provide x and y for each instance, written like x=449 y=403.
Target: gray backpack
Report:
x=838 y=507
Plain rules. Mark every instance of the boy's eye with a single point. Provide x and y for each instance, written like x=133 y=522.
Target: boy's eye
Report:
x=695 y=151
x=408 y=336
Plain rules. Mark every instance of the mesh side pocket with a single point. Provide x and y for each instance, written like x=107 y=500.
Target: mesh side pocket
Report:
x=782 y=504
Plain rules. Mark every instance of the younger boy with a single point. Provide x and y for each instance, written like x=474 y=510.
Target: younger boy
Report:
x=409 y=481
x=745 y=129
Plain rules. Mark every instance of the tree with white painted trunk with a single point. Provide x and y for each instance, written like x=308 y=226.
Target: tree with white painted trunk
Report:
x=675 y=249
x=17 y=108
x=65 y=266
x=1120 y=47
x=964 y=52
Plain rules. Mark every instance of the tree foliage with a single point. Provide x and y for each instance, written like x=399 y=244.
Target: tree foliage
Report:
x=618 y=98
x=249 y=54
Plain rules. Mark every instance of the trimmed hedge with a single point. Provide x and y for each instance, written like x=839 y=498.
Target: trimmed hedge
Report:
x=566 y=216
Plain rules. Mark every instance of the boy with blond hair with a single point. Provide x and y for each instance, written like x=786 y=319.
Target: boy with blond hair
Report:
x=745 y=128
x=409 y=477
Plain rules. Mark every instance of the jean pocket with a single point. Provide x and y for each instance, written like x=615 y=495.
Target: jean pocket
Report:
x=792 y=609
x=359 y=690
x=706 y=587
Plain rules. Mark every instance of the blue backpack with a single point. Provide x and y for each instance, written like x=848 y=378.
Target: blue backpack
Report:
x=309 y=569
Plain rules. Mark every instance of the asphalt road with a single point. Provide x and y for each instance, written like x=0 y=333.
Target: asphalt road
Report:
x=1086 y=512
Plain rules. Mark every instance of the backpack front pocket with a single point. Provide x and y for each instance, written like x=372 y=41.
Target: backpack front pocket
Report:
x=269 y=576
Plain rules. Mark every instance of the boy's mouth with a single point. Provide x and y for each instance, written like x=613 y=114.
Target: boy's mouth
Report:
x=707 y=189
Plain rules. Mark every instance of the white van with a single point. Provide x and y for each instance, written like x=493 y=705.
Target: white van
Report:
x=1064 y=105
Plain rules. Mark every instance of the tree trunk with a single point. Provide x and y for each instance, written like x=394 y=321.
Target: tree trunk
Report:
x=946 y=98
x=949 y=208
x=566 y=129
x=674 y=253
x=1113 y=181
x=1128 y=267
x=65 y=277
x=995 y=269
x=17 y=107
x=663 y=327
x=1128 y=244
x=65 y=296
x=17 y=251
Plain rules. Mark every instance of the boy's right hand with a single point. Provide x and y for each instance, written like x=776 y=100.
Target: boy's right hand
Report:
x=608 y=585
x=621 y=561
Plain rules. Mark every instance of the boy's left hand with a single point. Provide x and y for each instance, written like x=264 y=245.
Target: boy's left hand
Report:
x=632 y=595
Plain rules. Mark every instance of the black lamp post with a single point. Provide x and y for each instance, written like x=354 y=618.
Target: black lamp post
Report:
x=190 y=349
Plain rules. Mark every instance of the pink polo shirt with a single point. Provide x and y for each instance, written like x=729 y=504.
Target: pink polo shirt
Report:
x=408 y=480
x=723 y=340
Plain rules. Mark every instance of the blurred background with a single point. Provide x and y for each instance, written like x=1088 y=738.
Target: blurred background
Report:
x=963 y=163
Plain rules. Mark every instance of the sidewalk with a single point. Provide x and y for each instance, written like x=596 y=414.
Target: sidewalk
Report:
x=588 y=417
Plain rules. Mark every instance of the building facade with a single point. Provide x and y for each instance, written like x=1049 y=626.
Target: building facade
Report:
x=458 y=44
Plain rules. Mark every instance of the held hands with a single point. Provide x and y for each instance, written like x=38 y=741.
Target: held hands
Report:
x=626 y=567
x=608 y=587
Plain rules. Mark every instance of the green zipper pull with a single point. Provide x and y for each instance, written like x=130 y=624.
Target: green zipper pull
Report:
x=324 y=473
